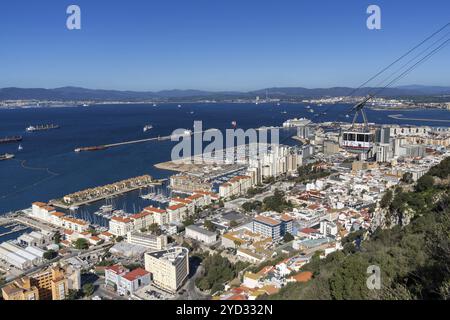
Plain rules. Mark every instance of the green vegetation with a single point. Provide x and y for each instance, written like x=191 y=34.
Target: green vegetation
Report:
x=276 y=202
x=74 y=294
x=253 y=191
x=311 y=172
x=57 y=237
x=407 y=178
x=413 y=257
x=189 y=221
x=119 y=239
x=81 y=244
x=133 y=266
x=233 y=224
x=218 y=271
x=251 y=205
x=50 y=255
x=288 y=237
x=209 y=225
x=155 y=229
x=88 y=289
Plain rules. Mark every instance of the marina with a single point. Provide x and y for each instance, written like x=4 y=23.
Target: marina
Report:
x=110 y=191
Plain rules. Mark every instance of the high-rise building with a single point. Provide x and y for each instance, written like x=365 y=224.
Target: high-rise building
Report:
x=169 y=268
x=52 y=283
x=20 y=289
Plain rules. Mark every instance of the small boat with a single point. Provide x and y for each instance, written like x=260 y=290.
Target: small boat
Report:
x=6 y=156
x=179 y=106
x=154 y=105
x=192 y=112
x=284 y=112
x=148 y=127
x=20 y=148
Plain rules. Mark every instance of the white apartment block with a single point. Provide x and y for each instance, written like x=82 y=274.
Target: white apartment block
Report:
x=169 y=268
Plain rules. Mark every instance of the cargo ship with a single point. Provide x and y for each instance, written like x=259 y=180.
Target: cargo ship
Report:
x=10 y=139
x=6 y=156
x=95 y=148
x=42 y=127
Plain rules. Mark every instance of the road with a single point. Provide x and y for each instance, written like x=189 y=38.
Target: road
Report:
x=192 y=293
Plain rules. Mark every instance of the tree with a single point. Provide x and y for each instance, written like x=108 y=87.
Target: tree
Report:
x=425 y=183
x=233 y=224
x=50 y=255
x=154 y=228
x=88 y=289
x=57 y=237
x=73 y=294
x=81 y=244
x=386 y=200
x=250 y=206
x=189 y=221
x=288 y=237
x=119 y=239
x=407 y=178
x=209 y=225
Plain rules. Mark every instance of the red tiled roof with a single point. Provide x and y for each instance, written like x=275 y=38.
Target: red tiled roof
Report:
x=40 y=204
x=286 y=217
x=141 y=215
x=309 y=230
x=267 y=220
x=176 y=206
x=117 y=269
x=135 y=274
x=121 y=219
x=154 y=210
x=185 y=201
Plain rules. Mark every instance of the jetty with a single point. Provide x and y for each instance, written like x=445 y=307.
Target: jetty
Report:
x=92 y=195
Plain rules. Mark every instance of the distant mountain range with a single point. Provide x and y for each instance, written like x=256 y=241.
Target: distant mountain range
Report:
x=76 y=93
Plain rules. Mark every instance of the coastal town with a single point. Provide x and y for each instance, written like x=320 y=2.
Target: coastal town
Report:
x=224 y=231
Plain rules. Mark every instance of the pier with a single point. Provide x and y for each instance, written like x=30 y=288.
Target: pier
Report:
x=118 y=144
x=400 y=117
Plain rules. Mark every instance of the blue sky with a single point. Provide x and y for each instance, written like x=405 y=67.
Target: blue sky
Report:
x=213 y=45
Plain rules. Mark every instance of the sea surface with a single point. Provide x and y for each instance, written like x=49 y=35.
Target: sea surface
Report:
x=48 y=168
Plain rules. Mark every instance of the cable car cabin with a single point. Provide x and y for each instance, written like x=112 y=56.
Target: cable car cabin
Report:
x=357 y=142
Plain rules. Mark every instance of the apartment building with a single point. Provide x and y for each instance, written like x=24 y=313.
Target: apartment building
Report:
x=52 y=283
x=149 y=241
x=169 y=268
x=201 y=234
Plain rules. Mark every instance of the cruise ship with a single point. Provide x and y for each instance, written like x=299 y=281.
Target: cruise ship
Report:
x=42 y=127
x=6 y=156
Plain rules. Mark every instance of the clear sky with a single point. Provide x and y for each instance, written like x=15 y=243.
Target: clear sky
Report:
x=213 y=45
